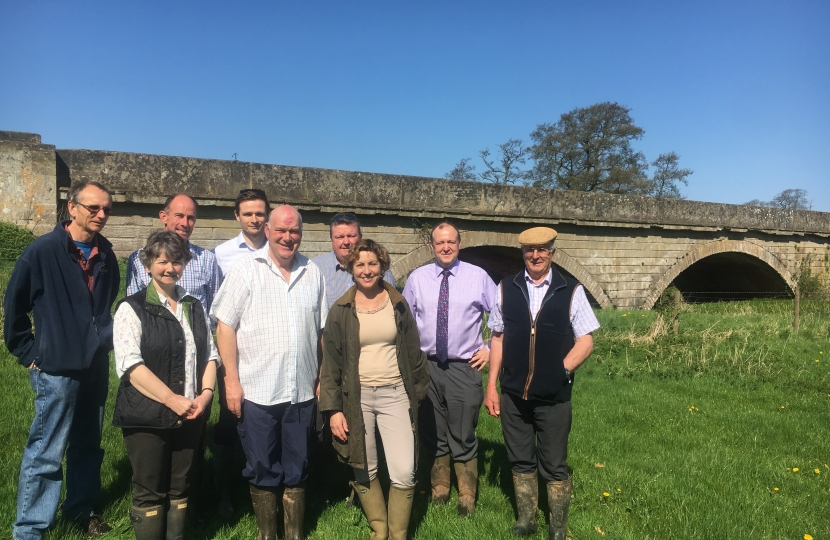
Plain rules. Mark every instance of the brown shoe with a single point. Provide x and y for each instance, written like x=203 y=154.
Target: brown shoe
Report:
x=467 y=475
x=559 y=499
x=264 y=501
x=94 y=526
x=439 y=477
x=293 y=507
x=527 y=499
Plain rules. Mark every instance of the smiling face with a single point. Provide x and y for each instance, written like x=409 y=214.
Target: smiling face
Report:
x=164 y=272
x=87 y=223
x=251 y=218
x=343 y=236
x=284 y=232
x=445 y=244
x=366 y=271
x=537 y=260
x=180 y=216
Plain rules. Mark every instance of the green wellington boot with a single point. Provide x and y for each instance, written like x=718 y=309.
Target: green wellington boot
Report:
x=374 y=506
x=400 y=508
x=176 y=515
x=559 y=499
x=148 y=523
x=467 y=475
x=439 y=477
x=264 y=501
x=293 y=507
x=527 y=499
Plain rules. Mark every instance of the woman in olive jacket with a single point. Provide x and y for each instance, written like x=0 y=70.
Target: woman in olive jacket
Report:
x=365 y=372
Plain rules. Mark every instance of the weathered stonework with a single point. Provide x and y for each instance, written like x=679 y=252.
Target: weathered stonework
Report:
x=624 y=249
x=28 y=195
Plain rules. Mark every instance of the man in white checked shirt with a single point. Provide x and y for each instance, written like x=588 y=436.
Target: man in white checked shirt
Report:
x=270 y=313
x=542 y=326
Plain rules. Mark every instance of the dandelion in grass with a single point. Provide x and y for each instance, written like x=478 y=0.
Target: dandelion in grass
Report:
x=817 y=471
x=625 y=314
x=789 y=470
x=775 y=489
x=795 y=469
x=606 y=494
x=619 y=490
x=808 y=537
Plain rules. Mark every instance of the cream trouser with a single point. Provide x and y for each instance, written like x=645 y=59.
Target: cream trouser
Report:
x=387 y=408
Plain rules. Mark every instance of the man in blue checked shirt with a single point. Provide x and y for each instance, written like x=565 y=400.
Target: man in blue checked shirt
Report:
x=201 y=277
x=344 y=230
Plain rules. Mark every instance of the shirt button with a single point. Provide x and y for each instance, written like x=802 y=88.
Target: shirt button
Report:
x=181 y=382
x=180 y=341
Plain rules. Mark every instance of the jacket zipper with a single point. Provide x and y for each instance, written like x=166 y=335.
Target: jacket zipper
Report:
x=531 y=361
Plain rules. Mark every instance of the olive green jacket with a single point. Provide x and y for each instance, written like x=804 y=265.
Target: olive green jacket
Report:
x=340 y=381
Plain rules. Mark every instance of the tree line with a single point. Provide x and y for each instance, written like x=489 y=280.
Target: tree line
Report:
x=588 y=149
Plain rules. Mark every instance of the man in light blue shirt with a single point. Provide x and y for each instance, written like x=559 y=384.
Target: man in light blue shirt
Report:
x=251 y=211
x=344 y=230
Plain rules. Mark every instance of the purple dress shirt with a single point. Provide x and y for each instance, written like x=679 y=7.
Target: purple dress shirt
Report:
x=472 y=292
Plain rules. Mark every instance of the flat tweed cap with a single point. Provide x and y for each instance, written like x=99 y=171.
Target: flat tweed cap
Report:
x=537 y=236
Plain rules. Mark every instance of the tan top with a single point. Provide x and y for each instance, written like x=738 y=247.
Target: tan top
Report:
x=378 y=364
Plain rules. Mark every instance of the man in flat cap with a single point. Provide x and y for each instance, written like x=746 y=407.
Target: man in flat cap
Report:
x=542 y=326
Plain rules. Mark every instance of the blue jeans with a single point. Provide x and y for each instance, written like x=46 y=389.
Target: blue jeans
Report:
x=69 y=412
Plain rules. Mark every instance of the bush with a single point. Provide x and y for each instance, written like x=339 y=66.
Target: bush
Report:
x=13 y=240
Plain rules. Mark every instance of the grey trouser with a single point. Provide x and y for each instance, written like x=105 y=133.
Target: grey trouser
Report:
x=387 y=408
x=536 y=436
x=449 y=415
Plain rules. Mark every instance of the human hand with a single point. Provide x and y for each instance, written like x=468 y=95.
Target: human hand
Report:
x=339 y=426
x=234 y=395
x=491 y=401
x=179 y=404
x=480 y=359
x=200 y=403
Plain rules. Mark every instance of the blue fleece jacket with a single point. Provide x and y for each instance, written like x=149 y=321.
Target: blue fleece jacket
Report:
x=72 y=327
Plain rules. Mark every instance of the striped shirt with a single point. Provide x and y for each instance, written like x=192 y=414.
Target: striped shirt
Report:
x=338 y=279
x=277 y=325
x=201 y=277
x=583 y=320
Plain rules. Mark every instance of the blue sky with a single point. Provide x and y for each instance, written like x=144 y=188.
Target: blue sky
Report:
x=741 y=90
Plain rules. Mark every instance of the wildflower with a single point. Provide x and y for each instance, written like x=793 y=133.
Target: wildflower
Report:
x=625 y=314
x=817 y=471
x=599 y=465
x=808 y=537
x=619 y=490
x=795 y=469
x=606 y=494
x=782 y=406
x=775 y=489
x=788 y=469
x=816 y=360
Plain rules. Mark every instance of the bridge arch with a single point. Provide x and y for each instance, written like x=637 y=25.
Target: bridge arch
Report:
x=709 y=249
x=472 y=239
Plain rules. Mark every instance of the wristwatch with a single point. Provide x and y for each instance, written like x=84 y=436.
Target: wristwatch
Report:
x=568 y=374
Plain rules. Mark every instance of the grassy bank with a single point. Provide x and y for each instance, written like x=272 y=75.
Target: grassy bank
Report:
x=718 y=432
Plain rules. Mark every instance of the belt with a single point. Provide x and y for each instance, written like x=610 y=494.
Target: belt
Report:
x=433 y=358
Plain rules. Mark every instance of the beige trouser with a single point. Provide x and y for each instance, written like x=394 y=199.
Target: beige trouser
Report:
x=387 y=408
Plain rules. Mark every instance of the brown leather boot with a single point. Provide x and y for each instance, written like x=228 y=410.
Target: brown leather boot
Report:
x=467 y=475
x=176 y=517
x=527 y=499
x=293 y=507
x=400 y=508
x=439 y=477
x=374 y=506
x=148 y=523
x=264 y=501
x=559 y=499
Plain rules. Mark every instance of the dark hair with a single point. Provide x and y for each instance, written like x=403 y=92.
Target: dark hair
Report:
x=344 y=218
x=371 y=246
x=74 y=193
x=251 y=194
x=441 y=225
x=169 y=200
x=167 y=242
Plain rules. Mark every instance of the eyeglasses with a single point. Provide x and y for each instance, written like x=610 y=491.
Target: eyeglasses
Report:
x=343 y=217
x=94 y=209
x=539 y=250
x=254 y=191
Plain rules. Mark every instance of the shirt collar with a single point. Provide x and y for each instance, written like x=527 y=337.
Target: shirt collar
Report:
x=545 y=281
x=453 y=268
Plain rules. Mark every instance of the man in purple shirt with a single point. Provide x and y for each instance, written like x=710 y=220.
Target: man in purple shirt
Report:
x=448 y=299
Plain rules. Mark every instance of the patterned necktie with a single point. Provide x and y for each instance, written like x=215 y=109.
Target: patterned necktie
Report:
x=443 y=318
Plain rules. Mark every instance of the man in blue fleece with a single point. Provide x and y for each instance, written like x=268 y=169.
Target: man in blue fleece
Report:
x=67 y=279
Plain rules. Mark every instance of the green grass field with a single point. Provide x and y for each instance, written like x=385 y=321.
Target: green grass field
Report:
x=720 y=432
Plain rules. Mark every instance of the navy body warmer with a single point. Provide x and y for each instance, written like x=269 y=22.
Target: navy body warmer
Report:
x=534 y=350
x=162 y=349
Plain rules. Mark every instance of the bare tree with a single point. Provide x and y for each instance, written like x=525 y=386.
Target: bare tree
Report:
x=789 y=199
x=463 y=171
x=505 y=170
x=667 y=176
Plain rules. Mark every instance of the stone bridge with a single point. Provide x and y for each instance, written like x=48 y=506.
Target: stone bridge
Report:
x=625 y=249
